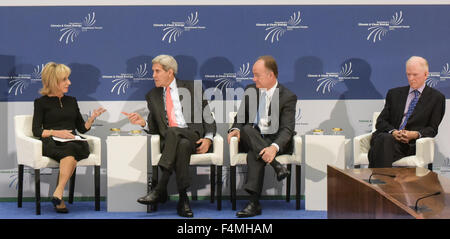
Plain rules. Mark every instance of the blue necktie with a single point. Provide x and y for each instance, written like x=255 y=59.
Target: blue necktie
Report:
x=261 y=109
x=410 y=109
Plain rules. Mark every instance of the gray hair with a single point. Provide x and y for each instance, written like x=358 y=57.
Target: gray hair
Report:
x=422 y=61
x=167 y=62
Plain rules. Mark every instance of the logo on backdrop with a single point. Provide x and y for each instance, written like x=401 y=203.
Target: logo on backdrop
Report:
x=70 y=31
x=299 y=120
x=276 y=29
x=174 y=29
x=328 y=80
x=298 y=114
x=121 y=82
x=435 y=77
x=19 y=83
x=227 y=80
x=379 y=29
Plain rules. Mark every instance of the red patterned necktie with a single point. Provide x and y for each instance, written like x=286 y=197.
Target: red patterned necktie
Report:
x=169 y=109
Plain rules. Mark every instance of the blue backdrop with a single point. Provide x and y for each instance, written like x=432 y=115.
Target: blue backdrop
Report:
x=323 y=52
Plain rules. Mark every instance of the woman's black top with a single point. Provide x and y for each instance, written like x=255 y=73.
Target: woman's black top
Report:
x=58 y=114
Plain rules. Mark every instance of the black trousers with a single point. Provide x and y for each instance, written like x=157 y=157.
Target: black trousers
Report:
x=179 y=145
x=385 y=150
x=252 y=142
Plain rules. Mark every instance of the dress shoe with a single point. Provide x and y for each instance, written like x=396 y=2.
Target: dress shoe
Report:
x=184 y=209
x=154 y=197
x=280 y=170
x=252 y=209
x=59 y=202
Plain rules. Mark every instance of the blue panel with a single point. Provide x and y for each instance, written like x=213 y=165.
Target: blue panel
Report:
x=323 y=52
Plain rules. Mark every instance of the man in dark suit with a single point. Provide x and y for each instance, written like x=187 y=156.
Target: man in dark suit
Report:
x=410 y=112
x=264 y=126
x=178 y=113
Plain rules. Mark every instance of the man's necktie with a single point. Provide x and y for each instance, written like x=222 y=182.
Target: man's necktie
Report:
x=169 y=109
x=261 y=109
x=410 y=109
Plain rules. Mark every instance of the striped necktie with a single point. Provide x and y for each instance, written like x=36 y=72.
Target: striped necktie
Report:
x=410 y=109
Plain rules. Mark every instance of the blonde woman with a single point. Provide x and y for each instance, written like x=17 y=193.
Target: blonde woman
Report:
x=57 y=115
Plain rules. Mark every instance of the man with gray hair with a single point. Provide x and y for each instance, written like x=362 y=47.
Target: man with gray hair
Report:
x=185 y=128
x=410 y=112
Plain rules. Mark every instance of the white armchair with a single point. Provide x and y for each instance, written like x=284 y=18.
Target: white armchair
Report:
x=295 y=158
x=29 y=153
x=214 y=160
x=424 y=150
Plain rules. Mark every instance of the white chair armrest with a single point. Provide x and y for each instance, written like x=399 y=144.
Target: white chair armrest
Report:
x=155 y=148
x=424 y=155
x=234 y=149
x=28 y=149
x=361 y=146
x=218 y=150
x=425 y=150
x=95 y=147
x=297 y=154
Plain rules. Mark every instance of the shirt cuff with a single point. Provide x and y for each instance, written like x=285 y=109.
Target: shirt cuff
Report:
x=233 y=129
x=145 y=126
x=276 y=146
x=392 y=130
x=209 y=136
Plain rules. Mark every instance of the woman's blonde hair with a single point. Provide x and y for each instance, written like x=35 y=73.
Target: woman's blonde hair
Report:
x=52 y=74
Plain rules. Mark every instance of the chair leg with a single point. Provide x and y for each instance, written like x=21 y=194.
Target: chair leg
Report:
x=72 y=186
x=37 y=182
x=298 y=172
x=233 y=186
x=288 y=183
x=212 y=178
x=20 y=189
x=153 y=208
x=219 y=188
x=97 y=187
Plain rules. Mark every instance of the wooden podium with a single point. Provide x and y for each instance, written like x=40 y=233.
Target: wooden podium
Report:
x=392 y=193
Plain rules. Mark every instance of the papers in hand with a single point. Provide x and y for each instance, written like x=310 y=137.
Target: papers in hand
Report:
x=77 y=138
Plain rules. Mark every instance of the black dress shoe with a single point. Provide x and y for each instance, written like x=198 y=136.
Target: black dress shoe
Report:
x=281 y=171
x=56 y=202
x=154 y=197
x=252 y=209
x=184 y=209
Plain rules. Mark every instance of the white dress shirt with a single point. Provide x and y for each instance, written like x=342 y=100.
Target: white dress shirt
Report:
x=263 y=123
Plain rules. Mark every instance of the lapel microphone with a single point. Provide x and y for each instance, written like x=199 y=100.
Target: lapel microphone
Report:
x=434 y=194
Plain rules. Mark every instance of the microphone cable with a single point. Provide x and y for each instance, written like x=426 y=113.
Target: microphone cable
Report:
x=417 y=201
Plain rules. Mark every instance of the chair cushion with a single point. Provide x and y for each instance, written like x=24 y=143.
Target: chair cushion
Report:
x=203 y=159
x=410 y=161
x=239 y=159
x=196 y=159
x=47 y=162
x=91 y=160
